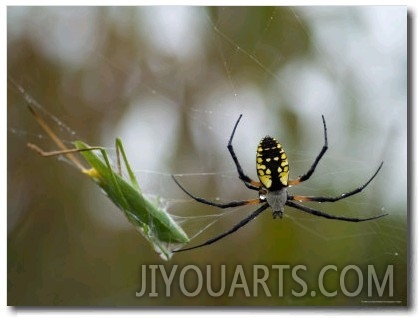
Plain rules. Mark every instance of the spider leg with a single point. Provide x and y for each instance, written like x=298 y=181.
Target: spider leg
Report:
x=337 y=198
x=239 y=225
x=251 y=184
x=329 y=216
x=219 y=205
x=310 y=171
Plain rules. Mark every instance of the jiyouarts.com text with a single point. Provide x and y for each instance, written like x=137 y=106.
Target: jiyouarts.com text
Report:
x=267 y=281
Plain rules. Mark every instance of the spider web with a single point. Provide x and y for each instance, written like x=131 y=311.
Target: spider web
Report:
x=282 y=69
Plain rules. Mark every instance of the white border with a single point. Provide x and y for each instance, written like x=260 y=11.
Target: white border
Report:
x=210 y=312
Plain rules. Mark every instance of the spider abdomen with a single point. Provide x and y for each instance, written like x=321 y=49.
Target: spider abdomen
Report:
x=272 y=164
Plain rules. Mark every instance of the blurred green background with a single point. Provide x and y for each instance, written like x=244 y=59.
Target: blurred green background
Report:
x=171 y=82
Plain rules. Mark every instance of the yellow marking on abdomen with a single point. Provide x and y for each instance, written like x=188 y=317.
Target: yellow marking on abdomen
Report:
x=272 y=164
x=266 y=180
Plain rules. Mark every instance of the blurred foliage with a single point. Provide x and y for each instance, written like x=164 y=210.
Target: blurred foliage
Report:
x=58 y=254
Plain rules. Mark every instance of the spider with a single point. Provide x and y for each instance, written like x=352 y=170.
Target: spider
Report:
x=272 y=170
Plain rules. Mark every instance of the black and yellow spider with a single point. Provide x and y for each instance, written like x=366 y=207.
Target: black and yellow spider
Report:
x=273 y=172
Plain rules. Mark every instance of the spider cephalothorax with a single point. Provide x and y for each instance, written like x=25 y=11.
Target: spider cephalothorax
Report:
x=273 y=173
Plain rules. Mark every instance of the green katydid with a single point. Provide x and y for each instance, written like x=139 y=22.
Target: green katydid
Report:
x=154 y=223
